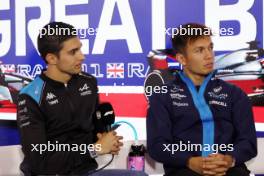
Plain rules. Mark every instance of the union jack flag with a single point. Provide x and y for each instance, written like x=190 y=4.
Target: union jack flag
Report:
x=115 y=70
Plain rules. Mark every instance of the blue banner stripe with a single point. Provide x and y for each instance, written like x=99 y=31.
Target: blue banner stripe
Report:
x=260 y=134
x=9 y=134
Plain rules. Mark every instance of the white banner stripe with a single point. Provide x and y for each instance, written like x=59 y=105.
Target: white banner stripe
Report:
x=7 y=116
x=138 y=120
x=259 y=127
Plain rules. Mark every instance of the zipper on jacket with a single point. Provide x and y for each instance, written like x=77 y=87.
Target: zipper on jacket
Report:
x=69 y=100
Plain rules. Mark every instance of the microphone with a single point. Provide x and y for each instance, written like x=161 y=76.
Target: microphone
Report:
x=105 y=117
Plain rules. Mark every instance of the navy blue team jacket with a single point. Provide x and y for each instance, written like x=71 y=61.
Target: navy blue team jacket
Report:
x=218 y=113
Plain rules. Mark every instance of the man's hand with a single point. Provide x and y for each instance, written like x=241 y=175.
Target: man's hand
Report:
x=196 y=164
x=110 y=142
x=217 y=164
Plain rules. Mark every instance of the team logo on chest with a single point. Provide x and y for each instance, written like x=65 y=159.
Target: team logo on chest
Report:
x=51 y=98
x=218 y=97
x=176 y=89
x=85 y=90
x=216 y=93
x=177 y=93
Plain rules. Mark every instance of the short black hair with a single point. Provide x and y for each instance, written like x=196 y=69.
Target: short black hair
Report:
x=193 y=31
x=52 y=36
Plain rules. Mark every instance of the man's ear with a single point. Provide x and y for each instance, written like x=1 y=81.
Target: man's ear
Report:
x=51 y=59
x=181 y=58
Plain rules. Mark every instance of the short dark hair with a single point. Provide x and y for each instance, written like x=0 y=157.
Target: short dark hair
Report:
x=193 y=31
x=52 y=36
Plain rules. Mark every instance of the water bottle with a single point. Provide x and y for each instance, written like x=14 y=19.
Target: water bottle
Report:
x=136 y=158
